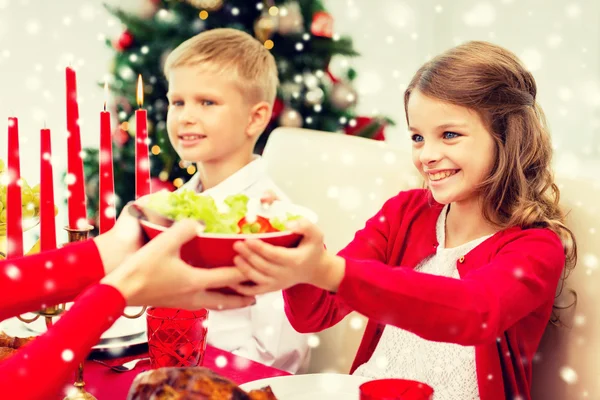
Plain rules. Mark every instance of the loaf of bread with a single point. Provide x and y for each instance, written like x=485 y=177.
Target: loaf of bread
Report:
x=195 y=383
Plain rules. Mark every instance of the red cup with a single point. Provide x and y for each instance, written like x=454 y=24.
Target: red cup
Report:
x=395 y=389
x=176 y=338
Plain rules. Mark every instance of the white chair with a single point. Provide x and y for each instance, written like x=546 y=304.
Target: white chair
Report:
x=345 y=180
x=569 y=356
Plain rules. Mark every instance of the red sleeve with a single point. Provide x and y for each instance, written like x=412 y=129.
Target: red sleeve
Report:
x=476 y=309
x=49 y=278
x=310 y=309
x=44 y=366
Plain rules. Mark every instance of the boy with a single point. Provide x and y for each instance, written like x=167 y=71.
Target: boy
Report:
x=222 y=86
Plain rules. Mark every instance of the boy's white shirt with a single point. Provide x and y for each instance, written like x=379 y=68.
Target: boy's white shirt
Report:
x=261 y=332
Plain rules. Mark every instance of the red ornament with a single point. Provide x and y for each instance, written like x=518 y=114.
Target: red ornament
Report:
x=322 y=24
x=124 y=41
x=277 y=108
x=157 y=185
x=120 y=137
x=363 y=122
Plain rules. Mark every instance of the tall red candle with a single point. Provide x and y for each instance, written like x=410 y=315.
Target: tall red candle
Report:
x=107 y=182
x=142 y=158
x=75 y=179
x=14 y=227
x=47 y=222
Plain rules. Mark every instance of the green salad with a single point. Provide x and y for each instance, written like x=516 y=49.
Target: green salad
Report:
x=189 y=204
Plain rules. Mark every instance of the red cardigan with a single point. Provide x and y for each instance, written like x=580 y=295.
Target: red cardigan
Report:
x=501 y=304
x=43 y=367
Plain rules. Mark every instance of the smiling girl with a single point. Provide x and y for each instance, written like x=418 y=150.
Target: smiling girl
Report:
x=458 y=280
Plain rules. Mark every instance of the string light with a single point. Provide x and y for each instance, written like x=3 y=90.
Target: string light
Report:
x=155 y=150
x=178 y=182
x=269 y=44
x=203 y=14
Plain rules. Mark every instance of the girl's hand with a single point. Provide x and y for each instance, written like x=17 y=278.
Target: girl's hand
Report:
x=274 y=268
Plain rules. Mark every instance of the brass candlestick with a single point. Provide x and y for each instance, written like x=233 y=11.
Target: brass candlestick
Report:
x=79 y=235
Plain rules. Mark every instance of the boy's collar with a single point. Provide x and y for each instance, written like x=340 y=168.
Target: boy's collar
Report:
x=236 y=183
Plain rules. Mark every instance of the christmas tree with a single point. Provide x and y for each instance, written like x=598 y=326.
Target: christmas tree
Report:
x=298 y=33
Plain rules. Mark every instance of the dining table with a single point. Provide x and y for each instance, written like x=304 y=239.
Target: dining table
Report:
x=106 y=384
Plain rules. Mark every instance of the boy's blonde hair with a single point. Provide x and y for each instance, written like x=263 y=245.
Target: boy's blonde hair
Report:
x=233 y=53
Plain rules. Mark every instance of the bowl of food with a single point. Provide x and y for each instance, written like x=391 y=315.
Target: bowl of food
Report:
x=236 y=217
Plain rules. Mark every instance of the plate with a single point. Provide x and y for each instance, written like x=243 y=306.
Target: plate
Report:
x=123 y=328
x=312 y=386
x=113 y=346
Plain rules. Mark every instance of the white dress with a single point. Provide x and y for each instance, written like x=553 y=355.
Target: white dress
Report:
x=447 y=367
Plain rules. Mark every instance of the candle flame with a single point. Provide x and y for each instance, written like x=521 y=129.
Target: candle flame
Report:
x=105 y=94
x=140 y=91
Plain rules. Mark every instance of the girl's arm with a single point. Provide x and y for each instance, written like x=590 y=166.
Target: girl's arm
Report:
x=311 y=309
x=476 y=309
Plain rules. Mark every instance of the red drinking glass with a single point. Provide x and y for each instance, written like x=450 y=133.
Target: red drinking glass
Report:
x=395 y=389
x=176 y=338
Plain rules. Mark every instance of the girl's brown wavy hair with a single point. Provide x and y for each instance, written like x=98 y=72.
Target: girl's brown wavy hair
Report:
x=491 y=80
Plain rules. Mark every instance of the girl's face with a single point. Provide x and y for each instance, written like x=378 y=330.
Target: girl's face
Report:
x=452 y=147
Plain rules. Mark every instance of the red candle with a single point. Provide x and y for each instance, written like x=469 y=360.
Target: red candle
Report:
x=75 y=179
x=107 y=182
x=142 y=158
x=14 y=228
x=47 y=223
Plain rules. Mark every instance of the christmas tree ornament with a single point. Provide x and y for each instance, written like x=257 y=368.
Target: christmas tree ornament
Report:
x=142 y=9
x=314 y=96
x=166 y=16
x=373 y=128
x=343 y=96
x=126 y=73
x=290 y=19
x=322 y=24
x=208 y=5
x=310 y=80
x=124 y=41
x=290 y=118
x=289 y=88
x=265 y=26
x=278 y=106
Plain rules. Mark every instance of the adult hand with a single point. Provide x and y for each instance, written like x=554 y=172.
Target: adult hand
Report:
x=122 y=241
x=155 y=275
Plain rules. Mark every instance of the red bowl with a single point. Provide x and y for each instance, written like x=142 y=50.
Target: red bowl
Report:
x=209 y=250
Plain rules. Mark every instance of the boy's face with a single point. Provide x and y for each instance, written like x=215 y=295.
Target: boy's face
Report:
x=208 y=115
